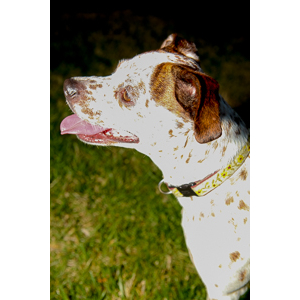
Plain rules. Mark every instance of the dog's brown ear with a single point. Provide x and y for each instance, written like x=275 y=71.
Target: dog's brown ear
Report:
x=176 y=44
x=198 y=94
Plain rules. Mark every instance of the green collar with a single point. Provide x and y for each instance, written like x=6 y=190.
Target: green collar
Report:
x=204 y=186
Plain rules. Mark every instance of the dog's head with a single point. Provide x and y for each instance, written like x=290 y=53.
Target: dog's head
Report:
x=147 y=98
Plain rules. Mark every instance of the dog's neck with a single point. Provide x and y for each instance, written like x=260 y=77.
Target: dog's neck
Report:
x=183 y=160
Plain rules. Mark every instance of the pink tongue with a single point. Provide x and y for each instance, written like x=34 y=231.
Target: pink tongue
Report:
x=74 y=125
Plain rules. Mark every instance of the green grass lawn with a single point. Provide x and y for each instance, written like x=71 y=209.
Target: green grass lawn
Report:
x=113 y=235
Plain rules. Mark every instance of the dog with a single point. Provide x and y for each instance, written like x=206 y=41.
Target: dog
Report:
x=163 y=105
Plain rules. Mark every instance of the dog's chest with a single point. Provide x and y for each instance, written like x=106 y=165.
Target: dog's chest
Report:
x=216 y=226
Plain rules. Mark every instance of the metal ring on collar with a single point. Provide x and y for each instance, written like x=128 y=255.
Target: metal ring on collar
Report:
x=159 y=187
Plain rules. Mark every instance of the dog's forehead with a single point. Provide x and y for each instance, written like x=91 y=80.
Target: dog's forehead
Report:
x=145 y=62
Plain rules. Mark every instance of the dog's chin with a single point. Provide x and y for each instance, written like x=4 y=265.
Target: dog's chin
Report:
x=109 y=137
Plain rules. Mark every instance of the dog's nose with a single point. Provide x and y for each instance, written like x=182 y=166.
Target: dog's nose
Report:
x=71 y=88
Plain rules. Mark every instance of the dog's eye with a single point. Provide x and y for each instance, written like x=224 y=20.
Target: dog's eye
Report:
x=125 y=96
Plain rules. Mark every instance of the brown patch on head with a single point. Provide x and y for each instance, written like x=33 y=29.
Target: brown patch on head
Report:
x=196 y=98
x=229 y=200
x=234 y=256
x=243 y=174
x=243 y=205
x=162 y=90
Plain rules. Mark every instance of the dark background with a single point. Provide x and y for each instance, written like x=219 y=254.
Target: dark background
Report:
x=220 y=30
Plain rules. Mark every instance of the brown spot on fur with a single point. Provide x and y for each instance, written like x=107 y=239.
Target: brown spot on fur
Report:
x=212 y=214
x=89 y=112
x=216 y=285
x=237 y=193
x=206 y=152
x=190 y=155
x=220 y=266
x=242 y=275
x=234 y=256
x=215 y=145
x=176 y=148
x=245 y=220
x=147 y=103
x=201 y=160
x=248 y=192
x=243 y=174
x=186 y=142
x=171 y=133
x=95 y=86
x=224 y=150
x=229 y=200
x=243 y=205
x=187 y=132
x=142 y=87
x=179 y=124
x=232 y=222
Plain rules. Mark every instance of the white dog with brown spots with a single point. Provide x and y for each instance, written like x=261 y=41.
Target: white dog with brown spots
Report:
x=163 y=105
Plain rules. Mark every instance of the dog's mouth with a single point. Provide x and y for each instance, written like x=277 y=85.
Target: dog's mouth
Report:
x=94 y=134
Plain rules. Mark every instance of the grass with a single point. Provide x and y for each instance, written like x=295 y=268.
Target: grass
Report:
x=113 y=235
